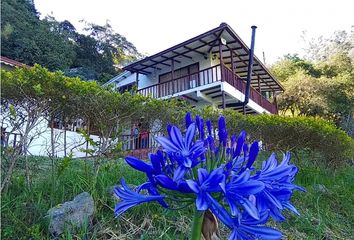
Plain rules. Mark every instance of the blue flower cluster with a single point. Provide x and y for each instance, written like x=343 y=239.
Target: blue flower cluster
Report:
x=215 y=172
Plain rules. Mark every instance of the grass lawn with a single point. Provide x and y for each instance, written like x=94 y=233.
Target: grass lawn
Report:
x=327 y=208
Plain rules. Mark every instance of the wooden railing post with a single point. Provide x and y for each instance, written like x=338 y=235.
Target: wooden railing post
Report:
x=221 y=62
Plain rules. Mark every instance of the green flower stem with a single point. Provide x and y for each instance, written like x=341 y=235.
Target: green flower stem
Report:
x=197 y=225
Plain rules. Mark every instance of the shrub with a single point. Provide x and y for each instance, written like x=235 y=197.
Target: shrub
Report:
x=280 y=133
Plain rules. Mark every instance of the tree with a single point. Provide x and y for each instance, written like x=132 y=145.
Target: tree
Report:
x=58 y=46
x=322 y=84
x=29 y=40
x=25 y=105
x=303 y=96
x=322 y=48
x=289 y=65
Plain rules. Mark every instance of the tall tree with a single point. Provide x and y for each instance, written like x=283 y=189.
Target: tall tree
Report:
x=29 y=40
x=322 y=84
x=56 y=45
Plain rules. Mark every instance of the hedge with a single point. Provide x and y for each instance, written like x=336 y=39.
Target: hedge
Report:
x=281 y=133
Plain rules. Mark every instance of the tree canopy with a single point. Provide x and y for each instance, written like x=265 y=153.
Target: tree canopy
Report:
x=322 y=83
x=95 y=55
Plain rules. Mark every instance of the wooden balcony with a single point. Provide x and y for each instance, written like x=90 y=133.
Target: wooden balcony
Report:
x=217 y=73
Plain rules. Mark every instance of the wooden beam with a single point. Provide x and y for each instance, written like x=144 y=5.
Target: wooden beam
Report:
x=162 y=63
x=149 y=66
x=182 y=55
x=140 y=71
x=216 y=39
x=225 y=50
x=190 y=98
x=193 y=50
x=169 y=58
x=179 y=54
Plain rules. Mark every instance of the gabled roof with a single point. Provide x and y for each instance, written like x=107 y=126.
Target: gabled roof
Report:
x=118 y=78
x=12 y=63
x=206 y=45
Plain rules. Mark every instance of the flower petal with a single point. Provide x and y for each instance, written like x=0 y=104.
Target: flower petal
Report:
x=250 y=208
x=190 y=135
x=139 y=164
x=176 y=137
x=167 y=144
x=193 y=185
x=166 y=182
x=262 y=232
x=201 y=202
x=240 y=141
x=179 y=173
x=188 y=119
x=253 y=154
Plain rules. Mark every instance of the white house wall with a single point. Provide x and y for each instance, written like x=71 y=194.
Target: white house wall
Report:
x=153 y=78
x=127 y=78
x=41 y=143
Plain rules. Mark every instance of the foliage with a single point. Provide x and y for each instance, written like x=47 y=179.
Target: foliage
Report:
x=322 y=84
x=24 y=210
x=281 y=133
x=322 y=48
x=36 y=95
x=29 y=40
x=289 y=65
x=59 y=46
x=303 y=96
x=217 y=177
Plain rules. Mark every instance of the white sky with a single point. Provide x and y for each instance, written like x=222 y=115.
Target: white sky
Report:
x=154 y=25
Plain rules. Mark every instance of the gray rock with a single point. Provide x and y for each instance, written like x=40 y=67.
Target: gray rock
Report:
x=71 y=215
x=320 y=188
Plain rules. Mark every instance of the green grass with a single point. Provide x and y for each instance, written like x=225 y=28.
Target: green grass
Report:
x=326 y=208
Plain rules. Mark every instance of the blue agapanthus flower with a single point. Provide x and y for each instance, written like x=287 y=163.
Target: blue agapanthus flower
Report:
x=130 y=198
x=217 y=173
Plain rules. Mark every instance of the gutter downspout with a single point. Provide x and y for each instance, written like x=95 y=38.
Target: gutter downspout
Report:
x=249 y=71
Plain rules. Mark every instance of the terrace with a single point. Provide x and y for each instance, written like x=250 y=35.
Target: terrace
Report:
x=208 y=82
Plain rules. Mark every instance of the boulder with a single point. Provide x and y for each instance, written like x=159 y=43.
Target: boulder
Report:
x=71 y=215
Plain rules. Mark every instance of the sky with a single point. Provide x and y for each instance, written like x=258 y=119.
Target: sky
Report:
x=154 y=25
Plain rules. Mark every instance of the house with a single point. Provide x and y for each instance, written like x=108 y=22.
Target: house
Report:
x=214 y=68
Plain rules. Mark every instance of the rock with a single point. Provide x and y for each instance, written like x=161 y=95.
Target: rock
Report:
x=71 y=215
x=320 y=188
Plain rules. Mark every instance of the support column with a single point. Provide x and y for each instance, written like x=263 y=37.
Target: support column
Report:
x=232 y=63
x=259 y=85
x=173 y=75
x=275 y=101
x=222 y=74
x=221 y=61
x=137 y=79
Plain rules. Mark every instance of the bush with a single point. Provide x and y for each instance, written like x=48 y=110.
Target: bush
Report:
x=280 y=133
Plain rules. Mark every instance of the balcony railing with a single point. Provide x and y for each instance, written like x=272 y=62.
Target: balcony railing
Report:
x=255 y=96
x=201 y=78
x=205 y=77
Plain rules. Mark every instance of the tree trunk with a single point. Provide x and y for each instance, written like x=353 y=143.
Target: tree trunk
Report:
x=64 y=122
x=52 y=137
x=28 y=178
x=87 y=143
x=8 y=176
